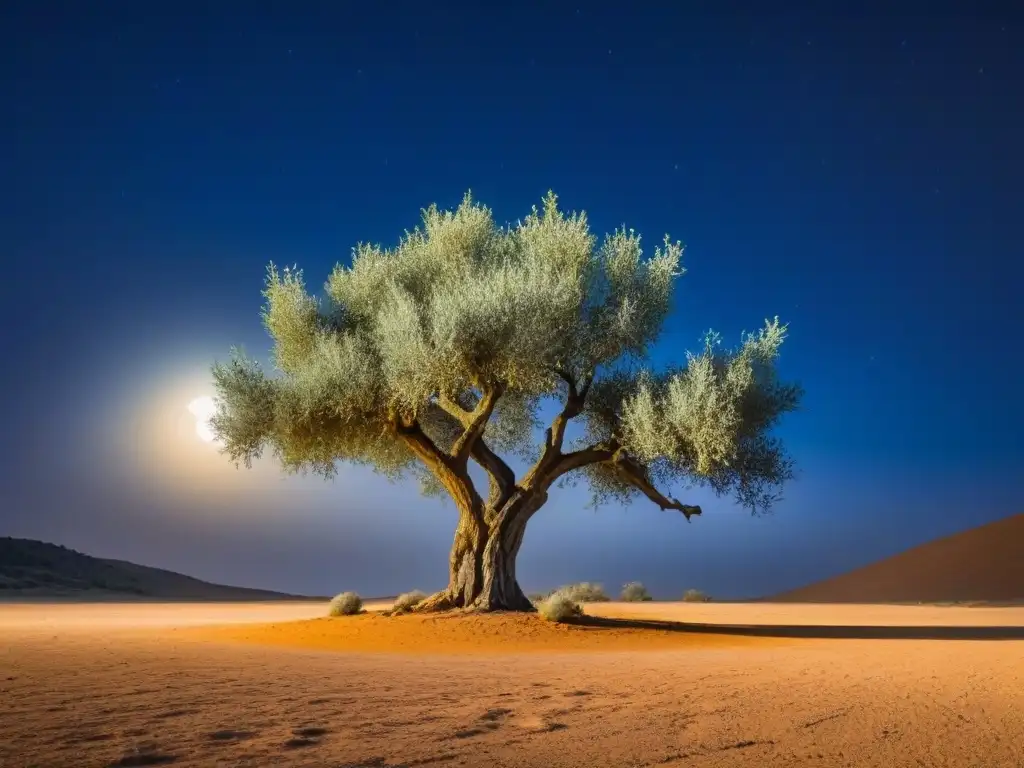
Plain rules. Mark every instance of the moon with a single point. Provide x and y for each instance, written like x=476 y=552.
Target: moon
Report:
x=203 y=408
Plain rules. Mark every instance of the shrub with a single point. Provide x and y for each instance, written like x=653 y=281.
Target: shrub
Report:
x=539 y=597
x=584 y=592
x=346 y=604
x=695 y=596
x=558 y=607
x=635 y=592
x=407 y=601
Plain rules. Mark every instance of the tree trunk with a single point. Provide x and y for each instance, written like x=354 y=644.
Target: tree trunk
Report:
x=465 y=565
x=482 y=566
x=465 y=577
x=501 y=590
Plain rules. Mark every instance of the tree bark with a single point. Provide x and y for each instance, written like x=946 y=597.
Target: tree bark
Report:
x=500 y=590
x=465 y=565
x=482 y=565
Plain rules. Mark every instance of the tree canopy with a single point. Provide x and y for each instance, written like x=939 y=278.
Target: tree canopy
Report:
x=448 y=344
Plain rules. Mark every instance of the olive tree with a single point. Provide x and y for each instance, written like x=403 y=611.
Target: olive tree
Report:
x=443 y=351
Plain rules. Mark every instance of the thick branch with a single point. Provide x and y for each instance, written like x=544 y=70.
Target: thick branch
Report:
x=475 y=423
x=545 y=473
x=627 y=468
x=453 y=409
x=453 y=477
x=425 y=449
x=573 y=407
x=554 y=436
x=636 y=475
x=503 y=479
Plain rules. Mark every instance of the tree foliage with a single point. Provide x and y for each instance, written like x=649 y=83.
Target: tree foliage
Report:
x=464 y=329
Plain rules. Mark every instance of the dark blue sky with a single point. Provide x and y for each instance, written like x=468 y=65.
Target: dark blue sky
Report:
x=858 y=174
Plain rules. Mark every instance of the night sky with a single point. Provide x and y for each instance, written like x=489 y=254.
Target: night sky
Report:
x=858 y=175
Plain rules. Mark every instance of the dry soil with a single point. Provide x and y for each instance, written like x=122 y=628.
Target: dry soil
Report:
x=275 y=684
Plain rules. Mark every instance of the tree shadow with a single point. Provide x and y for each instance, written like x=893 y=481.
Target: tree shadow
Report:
x=809 y=631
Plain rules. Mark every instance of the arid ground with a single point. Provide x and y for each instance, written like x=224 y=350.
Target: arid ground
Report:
x=274 y=684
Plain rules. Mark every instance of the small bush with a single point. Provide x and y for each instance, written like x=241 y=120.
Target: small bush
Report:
x=407 y=601
x=695 y=596
x=346 y=604
x=584 y=592
x=539 y=597
x=559 y=608
x=635 y=592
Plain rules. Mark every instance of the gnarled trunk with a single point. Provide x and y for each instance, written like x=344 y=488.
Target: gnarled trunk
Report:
x=465 y=572
x=465 y=565
x=482 y=566
x=501 y=590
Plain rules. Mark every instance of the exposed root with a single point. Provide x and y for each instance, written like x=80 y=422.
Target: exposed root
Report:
x=520 y=604
x=439 y=601
x=443 y=601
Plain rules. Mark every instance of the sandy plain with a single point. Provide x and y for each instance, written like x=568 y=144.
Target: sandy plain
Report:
x=275 y=684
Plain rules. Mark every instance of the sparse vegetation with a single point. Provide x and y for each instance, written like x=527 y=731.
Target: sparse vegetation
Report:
x=407 y=601
x=584 y=592
x=695 y=596
x=558 y=608
x=346 y=604
x=444 y=349
x=635 y=592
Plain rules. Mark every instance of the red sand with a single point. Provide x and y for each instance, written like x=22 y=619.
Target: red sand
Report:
x=984 y=563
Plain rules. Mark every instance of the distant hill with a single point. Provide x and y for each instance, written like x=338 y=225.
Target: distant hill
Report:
x=984 y=564
x=30 y=568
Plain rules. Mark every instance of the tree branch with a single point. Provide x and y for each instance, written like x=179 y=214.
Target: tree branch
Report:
x=503 y=479
x=554 y=436
x=453 y=409
x=419 y=442
x=573 y=407
x=627 y=468
x=453 y=477
x=475 y=422
x=634 y=473
x=551 y=467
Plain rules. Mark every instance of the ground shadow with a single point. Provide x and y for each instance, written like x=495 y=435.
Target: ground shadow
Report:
x=810 y=631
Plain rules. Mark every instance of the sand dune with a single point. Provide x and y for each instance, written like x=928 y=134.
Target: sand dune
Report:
x=257 y=685
x=983 y=564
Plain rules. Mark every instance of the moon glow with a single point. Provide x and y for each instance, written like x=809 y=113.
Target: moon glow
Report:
x=203 y=409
